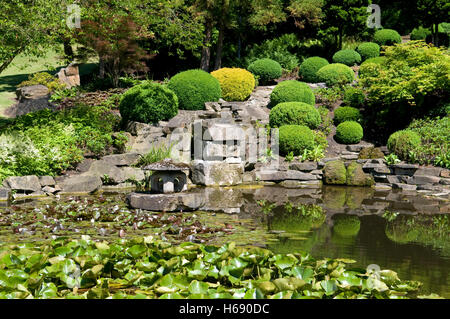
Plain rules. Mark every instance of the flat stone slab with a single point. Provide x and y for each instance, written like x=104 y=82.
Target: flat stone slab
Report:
x=167 y=165
x=81 y=184
x=47 y=181
x=23 y=183
x=126 y=159
x=303 y=166
x=277 y=176
x=166 y=202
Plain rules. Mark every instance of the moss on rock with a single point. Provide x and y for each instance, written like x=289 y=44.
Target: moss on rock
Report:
x=357 y=177
x=334 y=173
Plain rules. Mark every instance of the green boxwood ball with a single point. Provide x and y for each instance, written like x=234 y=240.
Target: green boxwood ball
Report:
x=420 y=33
x=292 y=91
x=346 y=113
x=347 y=57
x=195 y=87
x=368 y=50
x=297 y=113
x=349 y=132
x=387 y=37
x=295 y=138
x=336 y=73
x=309 y=67
x=401 y=142
x=267 y=70
x=148 y=103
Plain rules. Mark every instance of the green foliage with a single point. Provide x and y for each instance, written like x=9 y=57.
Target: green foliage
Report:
x=291 y=91
x=327 y=121
x=296 y=139
x=354 y=96
x=193 y=88
x=328 y=97
x=43 y=78
x=402 y=142
x=156 y=154
x=309 y=67
x=347 y=57
x=349 y=132
x=392 y=159
x=378 y=60
x=387 y=37
x=420 y=33
x=346 y=113
x=148 y=103
x=336 y=74
x=298 y=113
x=266 y=70
x=346 y=225
x=368 y=50
x=236 y=84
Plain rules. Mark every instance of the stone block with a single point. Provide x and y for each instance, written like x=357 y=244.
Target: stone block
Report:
x=126 y=159
x=47 y=181
x=214 y=173
x=23 y=183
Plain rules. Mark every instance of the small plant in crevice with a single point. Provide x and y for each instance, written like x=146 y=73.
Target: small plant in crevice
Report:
x=392 y=159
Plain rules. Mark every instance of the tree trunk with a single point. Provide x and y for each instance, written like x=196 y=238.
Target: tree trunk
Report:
x=340 y=39
x=435 y=32
x=218 y=63
x=206 y=50
x=68 y=51
x=101 y=68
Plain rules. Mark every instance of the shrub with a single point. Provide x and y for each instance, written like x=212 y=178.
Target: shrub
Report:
x=387 y=37
x=420 y=33
x=295 y=139
x=402 y=142
x=297 y=113
x=368 y=50
x=309 y=67
x=292 y=91
x=44 y=78
x=349 y=132
x=148 y=103
x=380 y=60
x=236 y=84
x=193 y=88
x=336 y=73
x=346 y=113
x=354 y=96
x=347 y=57
x=266 y=70
x=369 y=70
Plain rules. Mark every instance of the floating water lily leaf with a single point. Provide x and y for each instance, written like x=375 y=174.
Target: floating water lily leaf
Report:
x=329 y=286
x=284 y=261
x=254 y=293
x=304 y=273
x=198 y=287
x=136 y=251
x=47 y=290
x=171 y=296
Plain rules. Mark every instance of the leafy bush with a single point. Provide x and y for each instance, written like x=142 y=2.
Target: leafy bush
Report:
x=44 y=78
x=387 y=37
x=402 y=142
x=193 y=88
x=148 y=103
x=236 y=84
x=292 y=91
x=309 y=67
x=420 y=33
x=295 y=139
x=298 y=113
x=354 y=96
x=368 y=50
x=266 y=70
x=378 y=60
x=347 y=57
x=328 y=97
x=346 y=113
x=336 y=74
x=349 y=132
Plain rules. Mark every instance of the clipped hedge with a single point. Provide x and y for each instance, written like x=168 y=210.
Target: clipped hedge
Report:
x=420 y=33
x=347 y=57
x=236 y=84
x=346 y=113
x=148 y=103
x=401 y=142
x=349 y=132
x=309 y=67
x=295 y=138
x=267 y=70
x=387 y=37
x=368 y=50
x=336 y=73
x=193 y=88
x=297 y=113
x=292 y=91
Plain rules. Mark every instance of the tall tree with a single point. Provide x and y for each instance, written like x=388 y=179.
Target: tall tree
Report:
x=431 y=13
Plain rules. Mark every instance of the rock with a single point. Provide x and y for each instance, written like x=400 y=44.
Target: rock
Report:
x=213 y=151
x=4 y=194
x=49 y=190
x=136 y=128
x=370 y=153
x=211 y=173
x=166 y=202
x=106 y=170
x=349 y=157
x=404 y=187
x=404 y=169
x=382 y=187
x=335 y=173
x=354 y=148
x=32 y=92
x=85 y=165
x=445 y=181
x=126 y=159
x=303 y=166
x=277 y=176
x=422 y=180
x=445 y=173
x=382 y=170
x=81 y=184
x=393 y=179
x=248 y=177
x=47 y=181
x=357 y=177
x=70 y=76
x=23 y=183
x=133 y=173
x=428 y=171
x=297 y=184
x=224 y=132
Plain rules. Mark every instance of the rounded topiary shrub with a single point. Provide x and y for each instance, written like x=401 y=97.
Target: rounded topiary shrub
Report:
x=349 y=132
x=347 y=57
x=368 y=50
x=266 y=70
x=236 y=84
x=297 y=113
x=401 y=142
x=336 y=73
x=148 y=103
x=292 y=91
x=420 y=33
x=309 y=67
x=346 y=113
x=387 y=37
x=295 y=139
x=193 y=88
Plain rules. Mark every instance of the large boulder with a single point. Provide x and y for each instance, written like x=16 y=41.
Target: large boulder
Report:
x=357 y=177
x=334 y=173
x=23 y=183
x=4 y=194
x=211 y=173
x=81 y=184
x=32 y=92
x=126 y=159
x=70 y=76
x=105 y=170
x=166 y=202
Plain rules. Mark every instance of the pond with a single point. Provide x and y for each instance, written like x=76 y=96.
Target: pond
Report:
x=408 y=233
